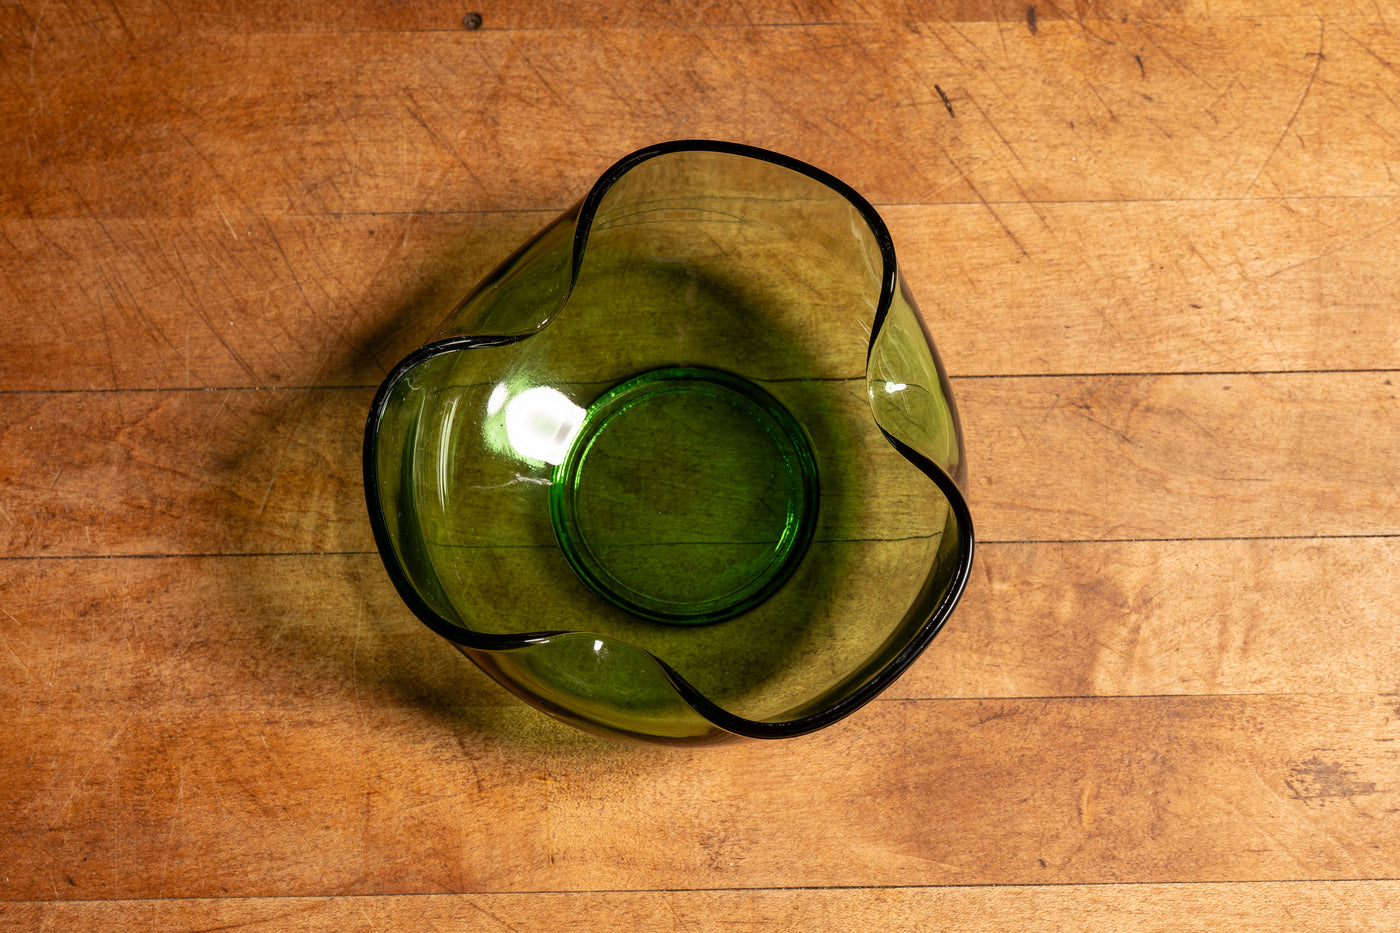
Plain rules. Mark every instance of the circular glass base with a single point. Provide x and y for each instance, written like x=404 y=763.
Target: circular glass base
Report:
x=688 y=495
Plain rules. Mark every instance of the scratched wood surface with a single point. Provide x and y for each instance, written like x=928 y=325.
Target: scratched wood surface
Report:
x=1156 y=242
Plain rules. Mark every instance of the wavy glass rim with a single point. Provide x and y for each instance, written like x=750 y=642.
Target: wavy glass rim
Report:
x=472 y=642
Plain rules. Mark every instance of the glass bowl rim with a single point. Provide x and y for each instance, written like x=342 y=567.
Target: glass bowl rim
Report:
x=818 y=714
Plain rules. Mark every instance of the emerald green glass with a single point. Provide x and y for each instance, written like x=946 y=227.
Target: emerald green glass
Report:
x=691 y=526
x=686 y=466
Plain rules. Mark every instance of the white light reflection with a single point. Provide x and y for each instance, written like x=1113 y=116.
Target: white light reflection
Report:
x=445 y=464
x=541 y=423
x=497 y=399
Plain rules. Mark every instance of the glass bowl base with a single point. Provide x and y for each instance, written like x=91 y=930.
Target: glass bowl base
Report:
x=686 y=495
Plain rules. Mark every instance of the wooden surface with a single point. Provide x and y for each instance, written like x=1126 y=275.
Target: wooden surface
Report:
x=1156 y=243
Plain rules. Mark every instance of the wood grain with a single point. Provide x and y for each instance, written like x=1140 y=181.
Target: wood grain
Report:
x=348 y=797
x=388 y=122
x=1347 y=906
x=1155 y=242
x=1272 y=285
x=184 y=472
x=1064 y=458
x=174 y=636
x=303 y=301
x=127 y=19
x=1249 y=455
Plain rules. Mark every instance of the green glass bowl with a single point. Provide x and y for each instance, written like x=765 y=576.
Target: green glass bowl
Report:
x=687 y=465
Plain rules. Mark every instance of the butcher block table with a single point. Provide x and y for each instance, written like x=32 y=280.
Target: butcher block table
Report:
x=1156 y=243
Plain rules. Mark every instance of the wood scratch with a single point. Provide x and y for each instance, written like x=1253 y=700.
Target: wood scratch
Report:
x=126 y=30
x=1000 y=135
x=1175 y=60
x=33 y=45
x=677 y=923
x=1001 y=31
x=548 y=815
x=106 y=331
x=281 y=460
x=477 y=907
x=1307 y=89
x=175 y=822
x=287 y=262
x=18 y=660
x=1336 y=249
x=946 y=102
x=1095 y=91
x=538 y=74
x=1384 y=62
x=203 y=313
x=987 y=205
x=355 y=663
x=218 y=205
x=415 y=111
x=98 y=758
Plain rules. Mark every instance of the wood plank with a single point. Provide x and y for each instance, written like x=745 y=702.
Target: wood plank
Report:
x=1146 y=618
x=175 y=636
x=1250 y=455
x=184 y=472
x=1223 y=286
x=349 y=797
x=1066 y=458
x=337 y=300
x=1154 y=242
x=245 y=125
x=127 y=19
x=1325 y=907
x=280 y=301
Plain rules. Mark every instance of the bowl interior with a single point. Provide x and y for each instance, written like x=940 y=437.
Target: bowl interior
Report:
x=658 y=430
